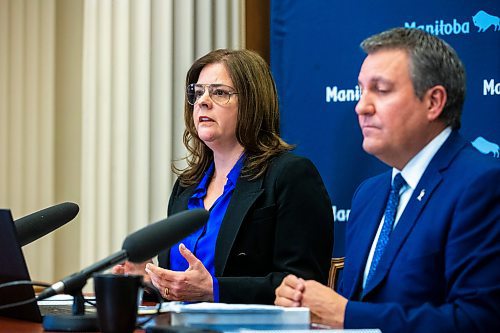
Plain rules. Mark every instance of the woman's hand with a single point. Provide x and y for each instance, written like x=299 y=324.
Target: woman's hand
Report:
x=133 y=269
x=194 y=284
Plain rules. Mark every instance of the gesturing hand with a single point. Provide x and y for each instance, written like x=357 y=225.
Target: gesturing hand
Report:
x=194 y=284
x=132 y=268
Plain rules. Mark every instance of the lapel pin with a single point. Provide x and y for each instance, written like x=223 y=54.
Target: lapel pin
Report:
x=421 y=195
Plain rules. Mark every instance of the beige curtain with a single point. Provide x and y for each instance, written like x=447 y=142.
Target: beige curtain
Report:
x=101 y=125
x=27 y=111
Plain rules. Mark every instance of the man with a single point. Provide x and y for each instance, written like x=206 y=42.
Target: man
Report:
x=426 y=257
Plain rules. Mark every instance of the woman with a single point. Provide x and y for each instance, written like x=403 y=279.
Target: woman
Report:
x=270 y=214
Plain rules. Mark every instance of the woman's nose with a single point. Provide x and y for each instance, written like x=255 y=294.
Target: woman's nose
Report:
x=204 y=99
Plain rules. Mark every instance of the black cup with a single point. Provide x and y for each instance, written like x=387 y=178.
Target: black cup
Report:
x=117 y=299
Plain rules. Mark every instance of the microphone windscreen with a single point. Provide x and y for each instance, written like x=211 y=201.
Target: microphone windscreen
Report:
x=38 y=224
x=147 y=242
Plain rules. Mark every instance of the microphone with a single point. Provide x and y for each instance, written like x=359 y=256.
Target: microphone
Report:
x=38 y=224
x=138 y=247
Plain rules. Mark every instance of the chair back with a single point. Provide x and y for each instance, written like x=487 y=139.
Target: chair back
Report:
x=336 y=265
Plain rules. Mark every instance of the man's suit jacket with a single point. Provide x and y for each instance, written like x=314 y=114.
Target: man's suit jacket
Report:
x=275 y=225
x=440 y=271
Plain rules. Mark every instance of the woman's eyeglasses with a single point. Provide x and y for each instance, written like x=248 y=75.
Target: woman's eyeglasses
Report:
x=219 y=93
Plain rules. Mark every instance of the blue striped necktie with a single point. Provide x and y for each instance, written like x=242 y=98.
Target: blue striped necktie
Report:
x=390 y=215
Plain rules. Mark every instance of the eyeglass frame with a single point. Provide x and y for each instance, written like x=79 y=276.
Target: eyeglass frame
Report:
x=211 y=88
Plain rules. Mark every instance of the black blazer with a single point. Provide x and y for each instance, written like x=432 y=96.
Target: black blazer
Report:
x=275 y=225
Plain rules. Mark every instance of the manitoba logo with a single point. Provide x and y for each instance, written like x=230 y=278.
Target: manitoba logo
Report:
x=481 y=19
x=335 y=94
x=442 y=27
x=490 y=87
x=486 y=147
x=340 y=215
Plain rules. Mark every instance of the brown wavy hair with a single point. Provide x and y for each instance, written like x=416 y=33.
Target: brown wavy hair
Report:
x=257 y=128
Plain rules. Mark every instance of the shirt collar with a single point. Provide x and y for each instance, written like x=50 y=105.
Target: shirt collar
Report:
x=414 y=169
x=201 y=189
x=232 y=177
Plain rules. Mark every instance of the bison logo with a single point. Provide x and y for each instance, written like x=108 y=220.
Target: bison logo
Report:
x=483 y=21
x=486 y=147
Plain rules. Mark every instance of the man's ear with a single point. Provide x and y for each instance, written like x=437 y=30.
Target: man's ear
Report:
x=436 y=99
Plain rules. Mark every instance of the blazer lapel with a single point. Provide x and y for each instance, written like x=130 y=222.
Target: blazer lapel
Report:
x=179 y=205
x=243 y=198
x=369 y=221
x=431 y=178
x=404 y=227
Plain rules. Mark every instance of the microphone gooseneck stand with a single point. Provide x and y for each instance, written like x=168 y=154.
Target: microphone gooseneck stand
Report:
x=78 y=321
x=72 y=285
x=157 y=236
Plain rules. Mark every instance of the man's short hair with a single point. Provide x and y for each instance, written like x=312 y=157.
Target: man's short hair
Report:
x=432 y=62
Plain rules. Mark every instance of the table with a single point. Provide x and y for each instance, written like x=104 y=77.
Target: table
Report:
x=9 y=325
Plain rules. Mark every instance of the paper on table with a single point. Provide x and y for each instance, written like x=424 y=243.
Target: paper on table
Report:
x=224 y=307
x=312 y=331
x=209 y=307
x=62 y=300
x=152 y=309
x=250 y=316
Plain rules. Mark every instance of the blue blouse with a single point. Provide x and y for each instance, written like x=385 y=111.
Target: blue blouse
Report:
x=202 y=242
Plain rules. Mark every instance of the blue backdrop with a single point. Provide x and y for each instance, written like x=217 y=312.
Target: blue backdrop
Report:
x=315 y=59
